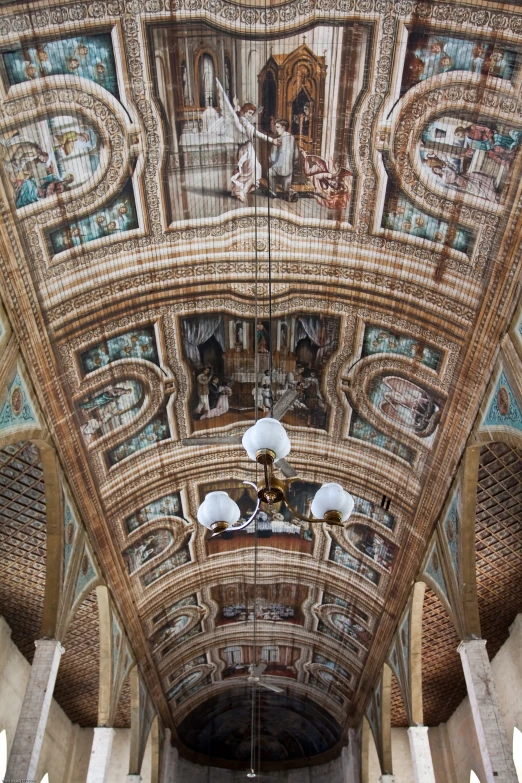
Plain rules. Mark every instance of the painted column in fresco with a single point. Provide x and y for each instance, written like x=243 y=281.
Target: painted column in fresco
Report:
x=421 y=754
x=30 y=730
x=491 y=733
x=100 y=755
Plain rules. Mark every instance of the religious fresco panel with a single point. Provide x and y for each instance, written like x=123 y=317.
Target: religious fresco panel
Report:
x=170 y=630
x=275 y=603
x=190 y=691
x=224 y=153
x=136 y=344
x=343 y=558
x=111 y=220
x=469 y=155
x=186 y=667
x=503 y=409
x=279 y=659
x=176 y=560
x=373 y=511
x=373 y=545
x=113 y=406
x=189 y=600
x=329 y=598
x=378 y=339
x=221 y=352
x=406 y=403
x=432 y=54
x=88 y=56
x=49 y=157
x=401 y=215
x=280 y=528
x=183 y=684
x=167 y=506
x=155 y=431
x=339 y=637
x=147 y=548
x=363 y=430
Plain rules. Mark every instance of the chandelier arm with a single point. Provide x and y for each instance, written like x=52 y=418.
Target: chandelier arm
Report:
x=251 y=519
x=297 y=513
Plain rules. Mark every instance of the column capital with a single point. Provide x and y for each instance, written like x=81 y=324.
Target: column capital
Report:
x=467 y=643
x=50 y=643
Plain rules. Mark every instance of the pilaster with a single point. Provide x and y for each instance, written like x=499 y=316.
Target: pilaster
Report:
x=30 y=730
x=489 y=725
x=100 y=755
x=421 y=754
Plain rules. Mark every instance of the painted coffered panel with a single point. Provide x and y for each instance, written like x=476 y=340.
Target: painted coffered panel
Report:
x=191 y=188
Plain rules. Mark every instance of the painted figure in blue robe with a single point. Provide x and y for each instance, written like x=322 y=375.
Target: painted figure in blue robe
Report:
x=30 y=191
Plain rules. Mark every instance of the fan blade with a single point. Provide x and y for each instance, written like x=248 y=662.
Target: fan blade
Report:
x=229 y=440
x=284 y=403
x=270 y=687
x=258 y=670
x=286 y=469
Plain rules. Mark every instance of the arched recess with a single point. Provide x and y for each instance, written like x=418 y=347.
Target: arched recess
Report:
x=443 y=684
x=26 y=453
x=77 y=683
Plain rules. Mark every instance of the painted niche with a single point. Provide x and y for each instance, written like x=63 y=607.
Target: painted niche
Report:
x=378 y=339
x=186 y=667
x=49 y=157
x=401 y=215
x=113 y=406
x=176 y=560
x=217 y=163
x=343 y=558
x=363 y=430
x=431 y=55
x=279 y=659
x=275 y=603
x=147 y=548
x=170 y=631
x=277 y=528
x=88 y=56
x=470 y=156
x=373 y=545
x=406 y=403
x=368 y=509
x=155 y=431
x=117 y=217
x=167 y=506
x=221 y=351
x=137 y=344
x=189 y=600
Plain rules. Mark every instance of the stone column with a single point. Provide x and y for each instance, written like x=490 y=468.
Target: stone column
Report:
x=351 y=758
x=100 y=755
x=387 y=779
x=489 y=725
x=421 y=754
x=30 y=730
x=133 y=778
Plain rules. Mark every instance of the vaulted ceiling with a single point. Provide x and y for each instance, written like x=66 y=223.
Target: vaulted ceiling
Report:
x=160 y=242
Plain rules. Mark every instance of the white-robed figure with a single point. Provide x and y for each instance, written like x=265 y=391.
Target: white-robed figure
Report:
x=282 y=160
x=239 y=126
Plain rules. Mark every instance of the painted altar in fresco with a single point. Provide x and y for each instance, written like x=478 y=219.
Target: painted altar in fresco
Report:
x=219 y=81
x=221 y=352
x=272 y=603
x=279 y=658
x=279 y=529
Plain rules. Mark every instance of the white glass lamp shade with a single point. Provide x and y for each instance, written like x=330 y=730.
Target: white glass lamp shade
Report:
x=218 y=507
x=332 y=497
x=266 y=434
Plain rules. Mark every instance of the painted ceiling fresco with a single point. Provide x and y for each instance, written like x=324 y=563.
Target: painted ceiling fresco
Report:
x=165 y=167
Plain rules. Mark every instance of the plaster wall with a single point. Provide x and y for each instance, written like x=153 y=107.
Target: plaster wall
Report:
x=401 y=758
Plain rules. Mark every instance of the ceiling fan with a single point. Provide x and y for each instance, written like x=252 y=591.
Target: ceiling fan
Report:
x=283 y=404
x=254 y=678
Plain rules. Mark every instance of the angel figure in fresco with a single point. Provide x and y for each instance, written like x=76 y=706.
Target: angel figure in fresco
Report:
x=332 y=183
x=102 y=408
x=239 y=126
